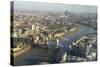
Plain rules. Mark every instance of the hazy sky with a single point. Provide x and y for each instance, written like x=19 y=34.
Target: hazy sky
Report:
x=54 y=7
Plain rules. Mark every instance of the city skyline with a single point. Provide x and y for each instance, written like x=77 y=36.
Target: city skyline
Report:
x=54 y=7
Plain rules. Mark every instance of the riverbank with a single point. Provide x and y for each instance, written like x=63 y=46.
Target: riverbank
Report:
x=15 y=54
x=61 y=35
x=95 y=28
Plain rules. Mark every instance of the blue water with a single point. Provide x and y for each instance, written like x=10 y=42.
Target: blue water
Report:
x=83 y=31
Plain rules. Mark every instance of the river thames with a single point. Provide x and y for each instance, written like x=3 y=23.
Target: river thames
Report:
x=37 y=55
